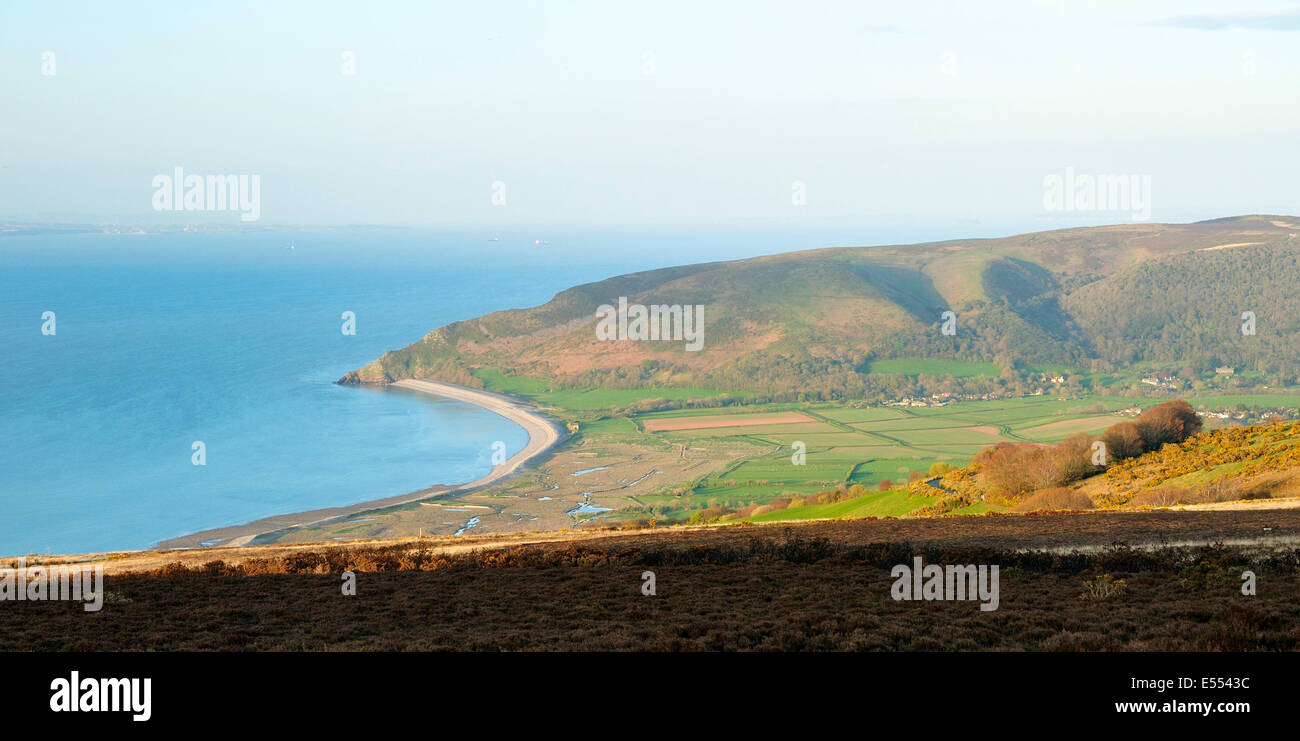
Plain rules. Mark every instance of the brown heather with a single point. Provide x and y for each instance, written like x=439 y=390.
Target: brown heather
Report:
x=815 y=587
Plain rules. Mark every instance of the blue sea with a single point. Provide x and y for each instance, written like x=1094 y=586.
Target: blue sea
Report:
x=234 y=340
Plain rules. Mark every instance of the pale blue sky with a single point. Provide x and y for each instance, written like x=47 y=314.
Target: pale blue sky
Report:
x=891 y=113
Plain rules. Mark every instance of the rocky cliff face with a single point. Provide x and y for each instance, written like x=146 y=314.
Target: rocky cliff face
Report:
x=364 y=376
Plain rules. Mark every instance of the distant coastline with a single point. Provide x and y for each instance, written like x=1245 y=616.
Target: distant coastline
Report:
x=543 y=435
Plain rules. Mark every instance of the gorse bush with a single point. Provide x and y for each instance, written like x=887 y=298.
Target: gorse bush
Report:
x=1169 y=495
x=1205 y=575
x=1103 y=587
x=1250 y=450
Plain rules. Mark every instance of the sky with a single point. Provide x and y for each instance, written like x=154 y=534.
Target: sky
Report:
x=798 y=115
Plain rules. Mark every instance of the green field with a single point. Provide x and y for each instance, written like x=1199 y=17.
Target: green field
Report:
x=494 y=380
x=846 y=445
x=611 y=429
x=1262 y=401
x=540 y=391
x=893 y=503
x=842 y=445
x=735 y=410
x=896 y=469
x=1054 y=369
x=849 y=415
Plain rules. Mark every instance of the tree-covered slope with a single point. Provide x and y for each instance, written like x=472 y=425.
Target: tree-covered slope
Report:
x=814 y=320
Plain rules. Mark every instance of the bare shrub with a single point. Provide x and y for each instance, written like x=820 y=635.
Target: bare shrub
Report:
x=1171 y=422
x=1015 y=470
x=1163 y=496
x=1220 y=491
x=1123 y=440
x=1055 y=499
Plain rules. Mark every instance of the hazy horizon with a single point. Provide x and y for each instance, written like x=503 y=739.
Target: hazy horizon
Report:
x=925 y=119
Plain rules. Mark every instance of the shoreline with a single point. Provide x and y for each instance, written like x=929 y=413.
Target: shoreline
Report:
x=543 y=436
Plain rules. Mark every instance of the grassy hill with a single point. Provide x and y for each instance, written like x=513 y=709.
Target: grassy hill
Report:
x=1229 y=464
x=843 y=322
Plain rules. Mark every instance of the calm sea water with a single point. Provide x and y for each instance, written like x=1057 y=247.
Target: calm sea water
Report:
x=234 y=340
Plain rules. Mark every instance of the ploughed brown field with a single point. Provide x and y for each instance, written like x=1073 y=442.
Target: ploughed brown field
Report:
x=811 y=586
x=734 y=420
